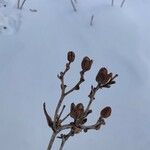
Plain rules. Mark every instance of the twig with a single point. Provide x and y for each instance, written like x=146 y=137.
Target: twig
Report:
x=73 y=5
x=61 y=111
x=95 y=126
x=122 y=3
x=77 y=86
x=95 y=89
x=18 y=4
x=33 y=10
x=112 y=2
x=22 y=4
x=64 y=127
x=91 y=96
x=63 y=86
x=62 y=144
x=65 y=118
x=52 y=139
x=91 y=21
x=64 y=139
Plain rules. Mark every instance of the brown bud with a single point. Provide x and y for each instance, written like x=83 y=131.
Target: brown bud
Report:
x=103 y=77
x=105 y=112
x=77 y=111
x=86 y=63
x=71 y=56
x=80 y=106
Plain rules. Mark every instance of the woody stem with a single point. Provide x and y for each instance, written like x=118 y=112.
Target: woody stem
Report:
x=61 y=77
x=51 y=141
x=62 y=144
x=91 y=96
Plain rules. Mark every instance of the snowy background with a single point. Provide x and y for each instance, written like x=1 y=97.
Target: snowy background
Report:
x=33 y=50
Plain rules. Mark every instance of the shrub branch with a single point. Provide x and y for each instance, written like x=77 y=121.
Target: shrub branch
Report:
x=77 y=111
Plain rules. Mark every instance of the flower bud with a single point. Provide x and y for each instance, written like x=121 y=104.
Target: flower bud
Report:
x=103 y=77
x=77 y=111
x=71 y=56
x=105 y=112
x=86 y=63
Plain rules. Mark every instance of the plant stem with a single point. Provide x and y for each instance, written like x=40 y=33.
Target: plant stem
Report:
x=64 y=139
x=122 y=3
x=51 y=141
x=91 y=96
x=112 y=2
x=57 y=109
x=63 y=86
x=73 y=5
x=22 y=4
x=65 y=117
x=61 y=111
x=62 y=144
x=18 y=4
x=78 y=84
x=91 y=21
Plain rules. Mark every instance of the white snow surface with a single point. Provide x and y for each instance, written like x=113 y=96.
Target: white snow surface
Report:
x=33 y=51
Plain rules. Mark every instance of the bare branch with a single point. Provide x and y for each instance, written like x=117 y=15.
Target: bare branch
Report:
x=64 y=138
x=63 y=86
x=73 y=5
x=91 y=21
x=61 y=111
x=122 y=3
x=77 y=86
x=112 y=2
x=51 y=141
x=92 y=97
x=65 y=118
x=95 y=89
x=33 y=10
x=64 y=127
x=95 y=126
x=22 y=4
x=18 y=4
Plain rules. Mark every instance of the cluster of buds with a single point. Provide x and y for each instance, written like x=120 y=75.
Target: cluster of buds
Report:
x=78 y=112
x=85 y=64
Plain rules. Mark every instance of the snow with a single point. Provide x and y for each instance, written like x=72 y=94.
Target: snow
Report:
x=33 y=50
